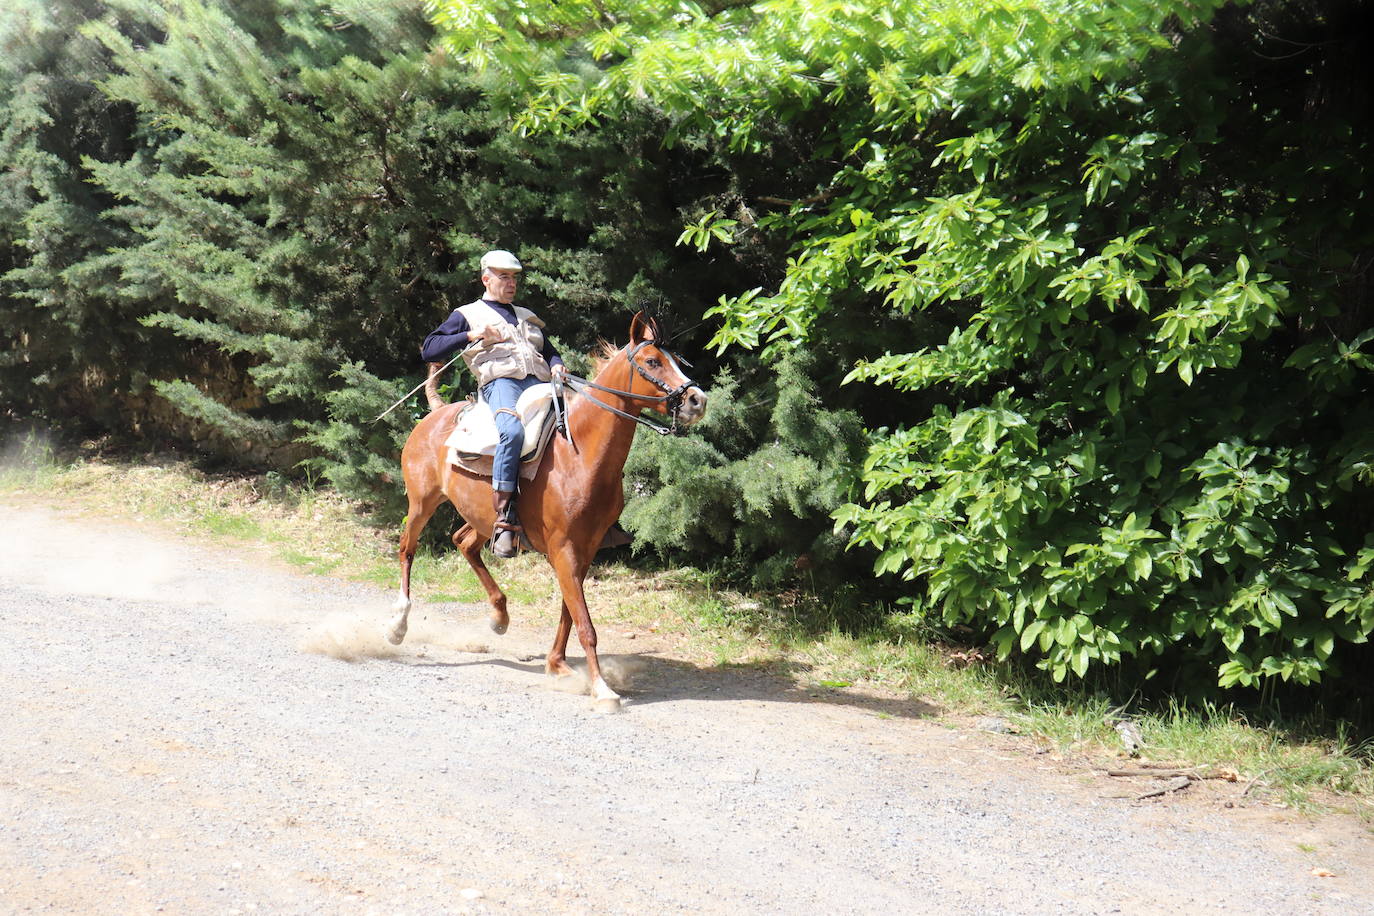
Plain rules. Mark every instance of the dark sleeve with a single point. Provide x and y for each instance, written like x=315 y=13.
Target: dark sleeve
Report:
x=550 y=353
x=446 y=339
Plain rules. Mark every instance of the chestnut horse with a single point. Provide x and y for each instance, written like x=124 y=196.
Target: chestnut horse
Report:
x=573 y=499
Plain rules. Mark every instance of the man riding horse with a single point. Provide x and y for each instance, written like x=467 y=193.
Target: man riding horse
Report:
x=505 y=347
x=576 y=492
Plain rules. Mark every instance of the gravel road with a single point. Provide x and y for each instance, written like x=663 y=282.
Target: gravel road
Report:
x=194 y=729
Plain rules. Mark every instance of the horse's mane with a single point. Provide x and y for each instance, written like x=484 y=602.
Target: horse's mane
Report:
x=605 y=352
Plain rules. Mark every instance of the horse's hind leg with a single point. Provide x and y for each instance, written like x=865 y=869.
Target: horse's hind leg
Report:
x=419 y=514
x=556 y=662
x=469 y=544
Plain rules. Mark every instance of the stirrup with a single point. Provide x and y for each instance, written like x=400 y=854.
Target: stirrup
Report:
x=518 y=539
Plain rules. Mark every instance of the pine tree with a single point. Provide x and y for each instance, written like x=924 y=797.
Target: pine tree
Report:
x=290 y=194
x=314 y=186
x=65 y=335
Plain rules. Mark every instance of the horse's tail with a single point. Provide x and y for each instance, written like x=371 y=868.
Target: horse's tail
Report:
x=432 y=387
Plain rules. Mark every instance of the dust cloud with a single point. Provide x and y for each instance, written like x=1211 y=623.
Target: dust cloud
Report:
x=353 y=635
x=89 y=555
x=90 y=559
x=620 y=672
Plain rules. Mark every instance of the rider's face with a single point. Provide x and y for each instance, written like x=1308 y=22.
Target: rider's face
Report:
x=500 y=283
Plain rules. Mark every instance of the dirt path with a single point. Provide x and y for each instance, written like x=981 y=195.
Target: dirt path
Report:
x=177 y=737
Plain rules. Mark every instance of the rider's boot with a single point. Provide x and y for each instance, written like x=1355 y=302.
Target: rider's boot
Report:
x=506 y=530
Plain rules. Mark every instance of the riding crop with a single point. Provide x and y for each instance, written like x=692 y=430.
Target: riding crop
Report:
x=405 y=396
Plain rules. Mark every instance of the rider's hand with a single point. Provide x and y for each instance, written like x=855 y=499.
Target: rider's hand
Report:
x=480 y=335
x=560 y=373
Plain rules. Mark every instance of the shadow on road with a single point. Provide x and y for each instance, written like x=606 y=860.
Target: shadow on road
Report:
x=646 y=679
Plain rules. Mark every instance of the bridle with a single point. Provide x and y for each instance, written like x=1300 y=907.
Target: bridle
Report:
x=671 y=398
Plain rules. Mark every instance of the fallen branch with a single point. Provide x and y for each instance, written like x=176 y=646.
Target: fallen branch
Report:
x=1175 y=785
x=1157 y=774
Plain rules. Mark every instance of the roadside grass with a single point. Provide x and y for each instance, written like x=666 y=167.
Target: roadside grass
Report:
x=1308 y=764
x=28 y=462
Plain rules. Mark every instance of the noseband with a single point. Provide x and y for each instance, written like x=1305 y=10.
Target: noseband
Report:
x=671 y=399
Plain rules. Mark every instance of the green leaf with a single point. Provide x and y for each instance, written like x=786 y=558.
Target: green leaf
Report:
x=1080 y=661
x=1284 y=603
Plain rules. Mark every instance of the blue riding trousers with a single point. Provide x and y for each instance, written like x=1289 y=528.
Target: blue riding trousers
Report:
x=499 y=393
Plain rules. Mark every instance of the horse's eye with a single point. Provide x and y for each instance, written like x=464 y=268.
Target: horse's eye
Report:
x=654 y=363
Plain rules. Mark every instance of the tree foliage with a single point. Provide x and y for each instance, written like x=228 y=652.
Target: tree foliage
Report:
x=236 y=221
x=1129 y=416
x=286 y=198
x=53 y=288
x=1056 y=310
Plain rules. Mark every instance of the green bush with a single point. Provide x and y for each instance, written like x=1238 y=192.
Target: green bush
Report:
x=1128 y=419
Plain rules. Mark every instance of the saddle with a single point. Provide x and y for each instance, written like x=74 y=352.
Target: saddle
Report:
x=472 y=444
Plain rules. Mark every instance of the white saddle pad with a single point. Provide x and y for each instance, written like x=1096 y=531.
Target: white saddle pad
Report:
x=475 y=434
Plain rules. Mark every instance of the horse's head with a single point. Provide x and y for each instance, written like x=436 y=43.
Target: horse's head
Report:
x=675 y=394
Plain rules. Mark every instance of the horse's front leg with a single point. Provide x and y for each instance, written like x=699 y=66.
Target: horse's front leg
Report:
x=571 y=572
x=469 y=543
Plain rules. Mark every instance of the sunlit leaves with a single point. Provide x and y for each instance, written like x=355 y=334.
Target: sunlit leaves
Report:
x=711 y=227
x=1133 y=412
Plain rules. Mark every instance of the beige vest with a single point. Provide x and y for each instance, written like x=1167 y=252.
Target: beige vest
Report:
x=517 y=354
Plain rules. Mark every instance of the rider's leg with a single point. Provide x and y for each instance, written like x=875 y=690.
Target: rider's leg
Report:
x=502 y=394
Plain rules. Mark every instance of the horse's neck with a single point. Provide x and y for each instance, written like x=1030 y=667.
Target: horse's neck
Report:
x=602 y=439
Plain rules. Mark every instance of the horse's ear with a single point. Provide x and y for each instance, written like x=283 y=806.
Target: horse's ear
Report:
x=643 y=328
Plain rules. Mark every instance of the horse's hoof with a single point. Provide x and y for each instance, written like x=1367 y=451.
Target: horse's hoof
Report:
x=499 y=623
x=395 y=631
x=559 y=671
x=607 y=700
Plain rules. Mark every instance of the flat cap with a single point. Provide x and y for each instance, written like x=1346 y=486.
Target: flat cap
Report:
x=501 y=260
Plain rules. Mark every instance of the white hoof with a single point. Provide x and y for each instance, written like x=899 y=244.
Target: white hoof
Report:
x=603 y=692
x=395 y=631
x=607 y=706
